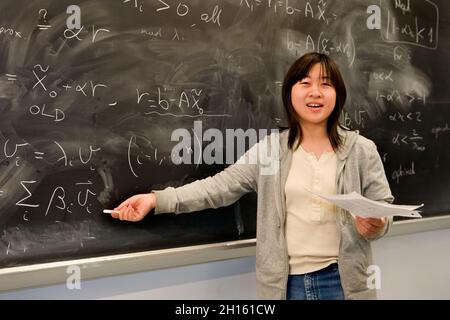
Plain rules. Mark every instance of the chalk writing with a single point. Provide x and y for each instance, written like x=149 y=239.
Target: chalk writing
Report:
x=145 y=151
x=214 y=17
x=403 y=172
x=355 y=120
x=184 y=101
x=414 y=139
x=88 y=108
x=58 y=113
x=183 y=9
x=43 y=20
x=138 y=5
x=401 y=54
x=404 y=6
x=29 y=194
x=410 y=116
x=324 y=44
x=438 y=130
x=383 y=76
x=71 y=34
x=318 y=12
x=11 y=77
x=59 y=201
x=403 y=98
x=410 y=27
x=10 y=31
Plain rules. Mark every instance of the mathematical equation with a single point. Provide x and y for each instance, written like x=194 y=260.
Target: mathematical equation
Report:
x=58 y=198
x=405 y=23
x=323 y=44
x=182 y=9
x=163 y=101
x=18 y=153
x=90 y=158
x=166 y=82
x=317 y=11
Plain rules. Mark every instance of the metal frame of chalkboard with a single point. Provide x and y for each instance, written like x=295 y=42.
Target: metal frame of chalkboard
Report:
x=56 y=272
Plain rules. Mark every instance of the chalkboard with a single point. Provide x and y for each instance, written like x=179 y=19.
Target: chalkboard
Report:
x=87 y=111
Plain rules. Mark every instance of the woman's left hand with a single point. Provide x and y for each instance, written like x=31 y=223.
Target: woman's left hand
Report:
x=369 y=227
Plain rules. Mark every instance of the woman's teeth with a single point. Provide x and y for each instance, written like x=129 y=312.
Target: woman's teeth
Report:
x=314 y=105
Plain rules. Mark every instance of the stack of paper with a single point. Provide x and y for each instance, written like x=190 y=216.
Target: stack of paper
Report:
x=361 y=206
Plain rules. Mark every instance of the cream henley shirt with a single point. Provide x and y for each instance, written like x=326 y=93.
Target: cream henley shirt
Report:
x=311 y=231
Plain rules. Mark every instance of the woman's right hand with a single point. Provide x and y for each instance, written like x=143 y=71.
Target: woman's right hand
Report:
x=136 y=207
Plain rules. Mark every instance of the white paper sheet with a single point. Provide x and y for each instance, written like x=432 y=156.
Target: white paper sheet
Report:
x=361 y=206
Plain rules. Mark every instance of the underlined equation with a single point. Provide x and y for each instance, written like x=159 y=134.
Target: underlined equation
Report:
x=405 y=23
x=162 y=101
x=318 y=10
x=297 y=43
x=174 y=102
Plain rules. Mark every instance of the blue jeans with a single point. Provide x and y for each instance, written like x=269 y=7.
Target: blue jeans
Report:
x=324 y=284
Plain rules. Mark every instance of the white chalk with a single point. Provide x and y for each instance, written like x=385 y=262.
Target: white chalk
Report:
x=110 y=211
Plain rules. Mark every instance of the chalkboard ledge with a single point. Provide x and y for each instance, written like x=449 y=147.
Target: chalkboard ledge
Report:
x=56 y=272
x=419 y=225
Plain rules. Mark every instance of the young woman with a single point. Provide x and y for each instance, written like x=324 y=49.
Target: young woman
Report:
x=306 y=247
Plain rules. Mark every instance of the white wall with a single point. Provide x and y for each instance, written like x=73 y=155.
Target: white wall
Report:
x=215 y=280
x=413 y=266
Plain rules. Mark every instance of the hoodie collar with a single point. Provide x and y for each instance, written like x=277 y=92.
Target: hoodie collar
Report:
x=348 y=140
